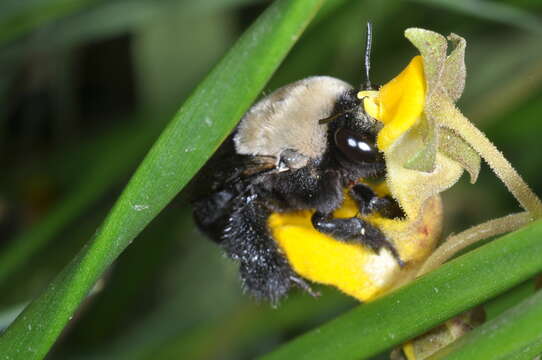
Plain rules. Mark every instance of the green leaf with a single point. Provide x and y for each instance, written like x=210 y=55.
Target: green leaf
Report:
x=192 y=136
x=515 y=334
x=455 y=287
x=459 y=150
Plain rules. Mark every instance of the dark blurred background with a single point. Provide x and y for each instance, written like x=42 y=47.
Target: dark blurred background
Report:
x=87 y=85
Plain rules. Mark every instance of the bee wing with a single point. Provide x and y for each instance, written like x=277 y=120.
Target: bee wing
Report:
x=237 y=168
x=225 y=168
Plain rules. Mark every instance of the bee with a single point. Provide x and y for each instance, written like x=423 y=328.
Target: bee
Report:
x=305 y=147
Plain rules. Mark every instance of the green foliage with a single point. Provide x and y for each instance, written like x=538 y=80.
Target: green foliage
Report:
x=171 y=294
x=515 y=334
x=491 y=10
x=191 y=137
x=453 y=288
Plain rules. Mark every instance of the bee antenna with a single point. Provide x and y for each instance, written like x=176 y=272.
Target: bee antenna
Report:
x=367 y=63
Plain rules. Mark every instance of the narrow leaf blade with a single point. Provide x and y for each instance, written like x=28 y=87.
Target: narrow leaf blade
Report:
x=191 y=137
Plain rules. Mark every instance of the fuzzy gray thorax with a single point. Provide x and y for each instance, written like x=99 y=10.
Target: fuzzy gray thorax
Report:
x=287 y=119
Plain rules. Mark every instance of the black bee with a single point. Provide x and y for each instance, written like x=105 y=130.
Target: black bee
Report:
x=299 y=148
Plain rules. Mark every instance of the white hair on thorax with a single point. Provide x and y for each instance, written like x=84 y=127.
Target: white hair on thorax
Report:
x=288 y=119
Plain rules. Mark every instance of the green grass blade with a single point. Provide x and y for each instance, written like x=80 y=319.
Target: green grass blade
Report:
x=191 y=137
x=491 y=10
x=456 y=286
x=515 y=334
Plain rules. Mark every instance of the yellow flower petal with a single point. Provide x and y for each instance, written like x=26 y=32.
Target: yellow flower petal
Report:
x=401 y=103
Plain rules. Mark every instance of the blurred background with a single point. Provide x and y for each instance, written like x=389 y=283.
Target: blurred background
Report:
x=87 y=85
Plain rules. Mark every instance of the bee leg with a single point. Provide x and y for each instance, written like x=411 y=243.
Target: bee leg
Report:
x=369 y=202
x=354 y=229
x=265 y=272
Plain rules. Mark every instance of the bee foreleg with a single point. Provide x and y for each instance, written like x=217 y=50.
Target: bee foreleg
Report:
x=369 y=202
x=354 y=229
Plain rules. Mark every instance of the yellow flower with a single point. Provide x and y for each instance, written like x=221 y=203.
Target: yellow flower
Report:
x=399 y=104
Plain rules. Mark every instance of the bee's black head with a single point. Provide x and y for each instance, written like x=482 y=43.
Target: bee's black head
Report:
x=352 y=139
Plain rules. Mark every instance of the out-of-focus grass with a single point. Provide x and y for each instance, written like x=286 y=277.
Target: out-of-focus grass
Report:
x=502 y=96
x=101 y=173
x=19 y=18
x=179 y=152
x=491 y=10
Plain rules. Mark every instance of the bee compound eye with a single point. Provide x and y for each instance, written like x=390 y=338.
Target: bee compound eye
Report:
x=358 y=147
